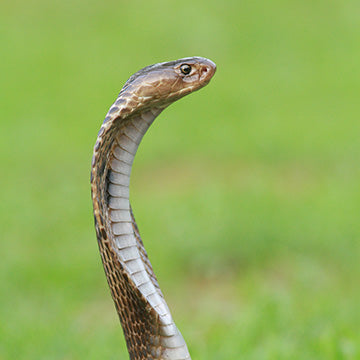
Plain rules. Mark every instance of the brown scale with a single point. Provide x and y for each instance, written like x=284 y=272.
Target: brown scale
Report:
x=138 y=319
x=155 y=86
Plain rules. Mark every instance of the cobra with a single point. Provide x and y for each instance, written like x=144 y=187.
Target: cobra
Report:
x=148 y=326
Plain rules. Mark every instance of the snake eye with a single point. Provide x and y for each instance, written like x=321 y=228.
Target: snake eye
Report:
x=185 y=69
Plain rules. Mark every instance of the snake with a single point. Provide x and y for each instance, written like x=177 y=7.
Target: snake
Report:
x=148 y=326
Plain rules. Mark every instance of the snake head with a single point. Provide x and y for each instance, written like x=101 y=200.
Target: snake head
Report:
x=161 y=84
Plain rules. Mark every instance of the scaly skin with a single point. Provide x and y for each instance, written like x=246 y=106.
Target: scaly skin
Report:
x=149 y=329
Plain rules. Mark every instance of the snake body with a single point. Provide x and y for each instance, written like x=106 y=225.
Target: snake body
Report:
x=149 y=329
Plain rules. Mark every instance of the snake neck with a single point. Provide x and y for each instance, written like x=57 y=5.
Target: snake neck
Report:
x=149 y=329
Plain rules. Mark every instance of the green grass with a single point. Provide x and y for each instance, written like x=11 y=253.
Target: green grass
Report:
x=255 y=178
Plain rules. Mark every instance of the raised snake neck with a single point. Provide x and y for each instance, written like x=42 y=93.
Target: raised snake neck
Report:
x=149 y=329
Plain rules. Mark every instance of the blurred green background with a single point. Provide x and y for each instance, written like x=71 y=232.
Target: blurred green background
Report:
x=246 y=193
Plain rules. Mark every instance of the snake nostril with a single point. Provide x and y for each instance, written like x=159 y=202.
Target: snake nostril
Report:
x=203 y=71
